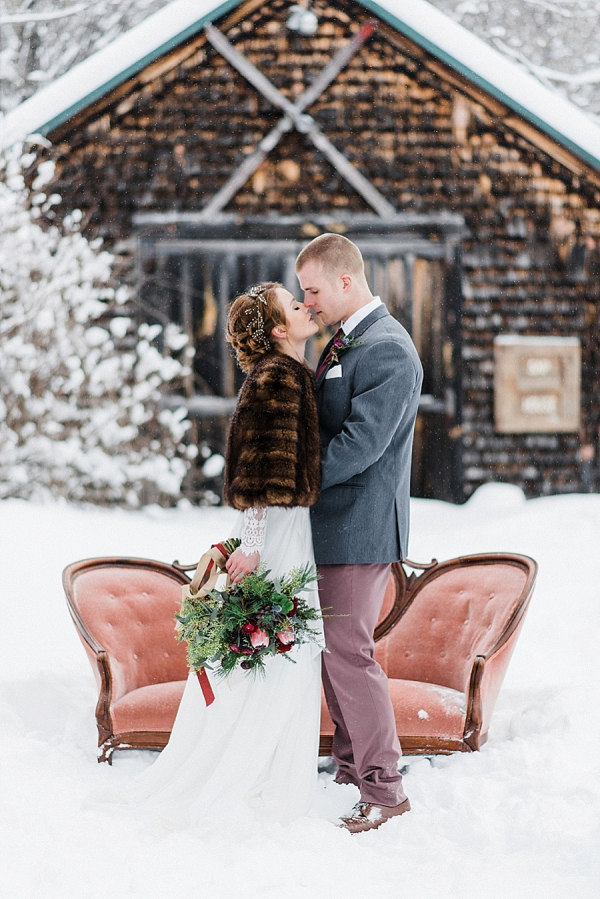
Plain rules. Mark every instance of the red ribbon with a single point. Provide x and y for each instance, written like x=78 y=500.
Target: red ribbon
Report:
x=207 y=690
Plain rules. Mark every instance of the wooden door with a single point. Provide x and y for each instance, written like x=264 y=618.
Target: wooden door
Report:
x=192 y=281
x=419 y=286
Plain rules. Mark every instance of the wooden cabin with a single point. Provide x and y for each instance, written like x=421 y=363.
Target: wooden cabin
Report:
x=211 y=142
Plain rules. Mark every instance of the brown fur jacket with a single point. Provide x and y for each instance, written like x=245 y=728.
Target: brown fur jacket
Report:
x=273 y=453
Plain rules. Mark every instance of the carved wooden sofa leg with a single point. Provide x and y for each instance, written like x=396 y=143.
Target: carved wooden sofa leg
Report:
x=107 y=752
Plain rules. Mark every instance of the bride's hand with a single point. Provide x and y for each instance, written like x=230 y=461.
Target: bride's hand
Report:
x=238 y=564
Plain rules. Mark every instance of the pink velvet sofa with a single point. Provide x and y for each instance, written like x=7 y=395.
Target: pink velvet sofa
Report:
x=444 y=638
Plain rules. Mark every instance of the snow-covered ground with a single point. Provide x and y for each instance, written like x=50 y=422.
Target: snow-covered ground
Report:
x=519 y=819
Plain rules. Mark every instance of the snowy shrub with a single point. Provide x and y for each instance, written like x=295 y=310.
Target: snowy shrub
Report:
x=79 y=383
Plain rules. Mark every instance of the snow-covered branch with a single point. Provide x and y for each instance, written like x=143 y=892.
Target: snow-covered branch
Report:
x=551 y=7
x=546 y=74
x=592 y=76
x=557 y=41
x=22 y=18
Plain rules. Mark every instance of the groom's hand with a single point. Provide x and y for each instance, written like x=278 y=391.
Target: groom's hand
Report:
x=238 y=564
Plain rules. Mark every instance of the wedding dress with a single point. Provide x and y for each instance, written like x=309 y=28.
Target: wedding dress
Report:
x=256 y=746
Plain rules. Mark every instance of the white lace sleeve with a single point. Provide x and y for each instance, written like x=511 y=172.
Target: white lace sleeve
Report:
x=253 y=535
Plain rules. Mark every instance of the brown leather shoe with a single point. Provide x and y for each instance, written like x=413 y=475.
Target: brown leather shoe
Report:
x=369 y=816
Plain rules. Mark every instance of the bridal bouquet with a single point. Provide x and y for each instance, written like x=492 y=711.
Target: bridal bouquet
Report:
x=247 y=621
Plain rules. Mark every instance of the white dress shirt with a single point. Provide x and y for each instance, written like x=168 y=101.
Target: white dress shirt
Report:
x=356 y=318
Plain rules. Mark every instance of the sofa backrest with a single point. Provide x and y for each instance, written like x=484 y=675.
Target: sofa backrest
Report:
x=453 y=613
x=126 y=607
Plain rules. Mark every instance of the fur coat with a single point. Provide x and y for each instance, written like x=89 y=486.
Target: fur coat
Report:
x=273 y=455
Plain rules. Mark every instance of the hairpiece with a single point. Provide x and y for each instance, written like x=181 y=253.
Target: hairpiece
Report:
x=258 y=293
x=258 y=331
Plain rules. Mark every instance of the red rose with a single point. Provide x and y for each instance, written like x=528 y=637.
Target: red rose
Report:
x=234 y=647
x=338 y=342
x=248 y=628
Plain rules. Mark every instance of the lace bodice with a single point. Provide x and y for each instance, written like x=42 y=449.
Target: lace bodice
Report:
x=253 y=534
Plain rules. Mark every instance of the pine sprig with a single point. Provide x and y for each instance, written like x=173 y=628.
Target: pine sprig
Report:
x=297 y=579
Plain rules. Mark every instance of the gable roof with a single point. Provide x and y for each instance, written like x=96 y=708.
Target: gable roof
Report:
x=417 y=20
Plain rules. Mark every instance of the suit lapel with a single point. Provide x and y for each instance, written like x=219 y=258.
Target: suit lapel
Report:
x=371 y=318
x=358 y=331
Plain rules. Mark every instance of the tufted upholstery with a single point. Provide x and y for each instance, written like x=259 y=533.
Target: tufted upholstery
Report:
x=123 y=610
x=129 y=611
x=444 y=638
x=151 y=708
x=456 y=616
x=422 y=710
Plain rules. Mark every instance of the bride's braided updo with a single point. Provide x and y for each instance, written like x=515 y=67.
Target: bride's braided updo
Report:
x=252 y=317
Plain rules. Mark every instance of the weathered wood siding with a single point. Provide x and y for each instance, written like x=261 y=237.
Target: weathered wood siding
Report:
x=426 y=138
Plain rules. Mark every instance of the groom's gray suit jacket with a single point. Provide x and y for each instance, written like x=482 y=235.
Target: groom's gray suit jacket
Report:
x=366 y=423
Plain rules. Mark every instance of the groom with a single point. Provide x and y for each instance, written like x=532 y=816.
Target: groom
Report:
x=368 y=385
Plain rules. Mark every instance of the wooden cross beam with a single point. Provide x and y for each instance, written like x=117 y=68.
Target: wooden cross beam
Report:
x=294 y=117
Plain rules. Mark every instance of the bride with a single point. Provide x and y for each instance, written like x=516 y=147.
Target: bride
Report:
x=256 y=745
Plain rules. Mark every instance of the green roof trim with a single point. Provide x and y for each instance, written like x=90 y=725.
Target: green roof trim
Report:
x=139 y=64
x=376 y=9
x=479 y=80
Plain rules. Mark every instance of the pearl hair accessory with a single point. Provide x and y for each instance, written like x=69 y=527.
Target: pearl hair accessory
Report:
x=257 y=321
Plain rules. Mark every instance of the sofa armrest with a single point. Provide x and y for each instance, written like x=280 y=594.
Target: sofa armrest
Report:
x=487 y=675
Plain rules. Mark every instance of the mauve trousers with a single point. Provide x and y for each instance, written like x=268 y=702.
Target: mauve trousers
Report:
x=365 y=743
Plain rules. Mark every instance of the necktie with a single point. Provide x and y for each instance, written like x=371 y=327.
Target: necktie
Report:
x=329 y=356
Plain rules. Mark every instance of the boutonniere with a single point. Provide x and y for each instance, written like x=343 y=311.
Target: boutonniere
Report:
x=342 y=343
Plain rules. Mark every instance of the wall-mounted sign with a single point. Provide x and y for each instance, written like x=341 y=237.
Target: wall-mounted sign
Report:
x=537 y=384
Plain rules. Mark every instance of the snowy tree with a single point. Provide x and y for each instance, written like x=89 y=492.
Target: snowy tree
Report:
x=558 y=41
x=80 y=383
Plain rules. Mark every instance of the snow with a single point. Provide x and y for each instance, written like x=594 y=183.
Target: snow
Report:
x=419 y=20
x=213 y=466
x=558 y=43
x=96 y=75
x=518 y=818
x=474 y=58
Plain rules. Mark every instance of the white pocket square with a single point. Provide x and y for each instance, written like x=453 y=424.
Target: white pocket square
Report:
x=334 y=372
